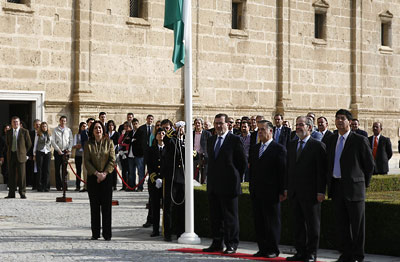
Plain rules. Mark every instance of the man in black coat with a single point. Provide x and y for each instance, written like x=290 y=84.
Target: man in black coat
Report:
x=200 y=159
x=323 y=128
x=381 y=149
x=173 y=176
x=155 y=154
x=226 y=166
x=355 y=124
x=267 y=169
x=350 y=166
x=306 y=183
x=281 y=133
x=136 y=155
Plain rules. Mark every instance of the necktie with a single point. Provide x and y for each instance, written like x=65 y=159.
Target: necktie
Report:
x=14 y=141
x=277 y=134
x=337 y=173
x=262 y=147
x=299 y=150
x=217 y=146
x=375 y=148
x=160 y=149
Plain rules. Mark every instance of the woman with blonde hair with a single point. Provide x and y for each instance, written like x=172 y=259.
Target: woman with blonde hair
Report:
x=42 y=156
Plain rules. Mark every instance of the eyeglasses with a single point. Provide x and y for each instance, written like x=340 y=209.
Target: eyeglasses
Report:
x=231 y=122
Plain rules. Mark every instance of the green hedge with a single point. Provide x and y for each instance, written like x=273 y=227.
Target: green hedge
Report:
x=384 y=183
x=382 y=221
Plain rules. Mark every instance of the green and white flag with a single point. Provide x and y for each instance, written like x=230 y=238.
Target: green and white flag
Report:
x=173 y=19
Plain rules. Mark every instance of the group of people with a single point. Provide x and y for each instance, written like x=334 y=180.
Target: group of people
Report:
x=277 y=162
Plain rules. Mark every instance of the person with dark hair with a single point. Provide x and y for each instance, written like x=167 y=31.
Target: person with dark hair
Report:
x=226 y=166
x=245 y=137
x=62 y=141
x=254 y=139
x=124 y=141
x=267 y=163
x=113 y=135
x=42 y=157
x=323 y=128
x=136 y=156
x=31 y=168
x=381 y=149
x=281 y=133
x=84 y=139
x=78 y=153
x=3 y=153
x=18 y=143
x=155 y=156
x=103 y=120
x=305 y=188
x=99 y=156
x=350 y=167
x=129 y=118
x=200 y=159
x=355 y=127
x=173 y=175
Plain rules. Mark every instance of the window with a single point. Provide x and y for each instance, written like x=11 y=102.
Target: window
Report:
x=237 y=15
x=320 y=24
x=18 y=6
x=386 y=29
x=134 y=8
x=15 y=1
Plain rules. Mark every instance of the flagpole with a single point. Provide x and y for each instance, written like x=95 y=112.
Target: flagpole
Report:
x=189 y=237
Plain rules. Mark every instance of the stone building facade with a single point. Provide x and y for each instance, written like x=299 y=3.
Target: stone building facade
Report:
x=80 y=57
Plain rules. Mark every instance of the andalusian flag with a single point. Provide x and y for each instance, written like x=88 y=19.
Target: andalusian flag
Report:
x=173 y=19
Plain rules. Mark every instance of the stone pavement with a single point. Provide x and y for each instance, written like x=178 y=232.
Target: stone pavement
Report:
x=39 y=229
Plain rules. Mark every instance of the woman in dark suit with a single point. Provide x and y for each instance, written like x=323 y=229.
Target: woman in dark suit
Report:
x=99 y=157
x=113 y=135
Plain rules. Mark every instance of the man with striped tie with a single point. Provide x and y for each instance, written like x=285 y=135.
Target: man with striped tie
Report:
x=267 y=172
x=350 y=166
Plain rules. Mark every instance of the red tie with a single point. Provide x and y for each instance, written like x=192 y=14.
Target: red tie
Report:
x=375 y=147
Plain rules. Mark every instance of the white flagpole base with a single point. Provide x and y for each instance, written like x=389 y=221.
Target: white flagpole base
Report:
x=189 y=238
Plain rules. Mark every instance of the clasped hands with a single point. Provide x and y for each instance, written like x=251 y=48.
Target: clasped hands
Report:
x=100 y=176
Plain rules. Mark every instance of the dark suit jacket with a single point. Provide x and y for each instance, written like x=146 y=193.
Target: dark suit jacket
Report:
x=356 y=165
x=361 y=132
x=306 y=176
x=284 y=136
x=205 y=135
x=23 y=144
x=225 y=172
x=172 y=160
x=253 y=139
x=138 y=143
x=154 y=163
x=32 y=137
x=383 y=154
x=143 y=129
x=326 y=136
x=267 y=174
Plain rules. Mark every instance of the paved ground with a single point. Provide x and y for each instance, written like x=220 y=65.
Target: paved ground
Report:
x=39 y=229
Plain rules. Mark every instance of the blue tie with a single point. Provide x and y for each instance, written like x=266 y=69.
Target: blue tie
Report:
x=218 y=146
x=261 y=150
x=277 y=134
x=338 y=153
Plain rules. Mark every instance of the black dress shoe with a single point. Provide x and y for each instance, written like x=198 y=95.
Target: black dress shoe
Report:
x=107 y=238
x=296 y=257
x=122 y=189
x=212 y=248
x=230 y=250
x=311 y=258
x=77 y=189
x=259 y=254
x=23 y=197
x=154 y=234
x=46 y=190
x=147 y=224
x=270 y=255
x=83 y=190
x=10 y=197
x=94 y=238
x=344 y=258
x=167 y=239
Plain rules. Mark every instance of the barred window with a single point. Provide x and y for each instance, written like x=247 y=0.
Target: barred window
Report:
x=134 y=8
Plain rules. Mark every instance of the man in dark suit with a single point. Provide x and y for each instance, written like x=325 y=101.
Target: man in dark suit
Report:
x=381 y=149
x=355 y=128
x=281 y=133
x=350 y=166
x=267 y=168
x=18 y=143
x=136 y=155
x=30 y=163
x=226 y=166
x=323 y=128
x=306 y=183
